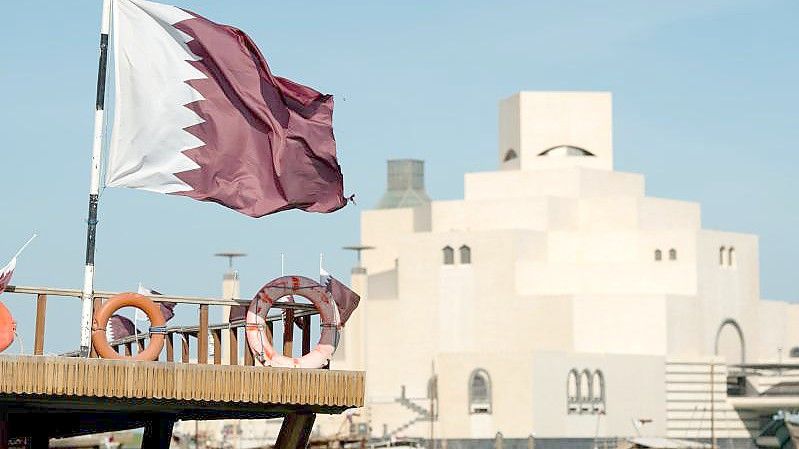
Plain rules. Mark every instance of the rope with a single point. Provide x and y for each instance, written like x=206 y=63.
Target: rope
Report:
x=21 y=343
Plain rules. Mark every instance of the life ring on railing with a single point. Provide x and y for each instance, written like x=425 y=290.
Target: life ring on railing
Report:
x=8 y=328
x=259 y=307
x=145 y=304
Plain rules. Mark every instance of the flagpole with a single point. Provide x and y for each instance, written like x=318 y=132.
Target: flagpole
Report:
x=19 y=251
x=94 y=187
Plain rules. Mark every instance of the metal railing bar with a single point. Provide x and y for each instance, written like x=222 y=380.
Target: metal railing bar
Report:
x=75 y=293
x=191 y=330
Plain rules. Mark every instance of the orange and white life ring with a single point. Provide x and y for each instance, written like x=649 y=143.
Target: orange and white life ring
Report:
x=8 y=328
x=146 y=305
x=257 y=339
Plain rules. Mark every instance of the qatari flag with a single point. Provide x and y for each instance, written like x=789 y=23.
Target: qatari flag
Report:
x=120 y=327
x=198 y=113
x=167 y=308
x=346 y=300
x=6 y=273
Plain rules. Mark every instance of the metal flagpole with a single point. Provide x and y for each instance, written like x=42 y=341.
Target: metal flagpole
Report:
x=94 y=187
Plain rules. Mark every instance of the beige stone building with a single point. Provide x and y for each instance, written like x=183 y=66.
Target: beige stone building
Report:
x=558 y=300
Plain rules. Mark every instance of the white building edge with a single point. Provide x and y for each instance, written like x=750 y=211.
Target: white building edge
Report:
x=558 y=300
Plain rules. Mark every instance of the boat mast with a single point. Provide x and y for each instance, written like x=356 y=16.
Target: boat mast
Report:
x=94 y=186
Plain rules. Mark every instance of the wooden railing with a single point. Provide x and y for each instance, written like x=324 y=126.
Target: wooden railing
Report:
x=292 y=312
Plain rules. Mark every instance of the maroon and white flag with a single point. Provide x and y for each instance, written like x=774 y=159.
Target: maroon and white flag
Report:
x=198 y=113
x=346 y=300
x=6 y=273
x=120 y=326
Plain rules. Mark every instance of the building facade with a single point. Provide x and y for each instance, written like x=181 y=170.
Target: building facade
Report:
x=557 y=302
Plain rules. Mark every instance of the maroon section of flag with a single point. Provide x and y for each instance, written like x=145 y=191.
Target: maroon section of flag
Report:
x=346 y=300
x=6 y=273
x=167 y=308
x=237 y=313
x=120 y=327
x=268 y=142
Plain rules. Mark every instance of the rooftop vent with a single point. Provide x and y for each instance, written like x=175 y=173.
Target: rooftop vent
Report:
x=405 y=186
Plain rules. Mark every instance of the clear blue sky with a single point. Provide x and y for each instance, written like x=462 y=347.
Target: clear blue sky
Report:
x=705 y=102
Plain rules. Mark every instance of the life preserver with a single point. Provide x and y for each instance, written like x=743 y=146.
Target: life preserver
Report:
x=8 y=328
x=146 y=305
x=259 y=307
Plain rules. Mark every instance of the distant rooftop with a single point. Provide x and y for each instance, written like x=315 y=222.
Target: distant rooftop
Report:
x=405 y=185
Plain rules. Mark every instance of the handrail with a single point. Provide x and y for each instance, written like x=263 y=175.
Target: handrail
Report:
x=293 y=314
x=195 y=329
x=75 y=293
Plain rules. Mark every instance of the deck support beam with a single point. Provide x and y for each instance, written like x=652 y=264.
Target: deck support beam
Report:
x=3 y=429
x=295 y=431
x=158 y=432
x=40 y=440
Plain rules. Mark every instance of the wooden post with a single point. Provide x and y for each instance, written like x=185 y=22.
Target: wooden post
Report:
x=306 y=335
x=41 y=309
x=248 y=358
x=295 y=431
x=140 y=344
x=202 y=336
x=217 y=333
x=269 y=334
x=158 y=432
x=185 y=344
x=234 y=346
x=129 y=349
x=288 y=334
x=170 y=347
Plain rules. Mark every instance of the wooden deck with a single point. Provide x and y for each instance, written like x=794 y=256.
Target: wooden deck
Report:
x=54 y=397
x=318 y=389
x=64 y=396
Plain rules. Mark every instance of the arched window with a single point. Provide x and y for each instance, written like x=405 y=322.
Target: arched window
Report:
x=731 y=257
x=573 y=391
x=586 y=394
x=672 y=254
x=598 y=388
x=449 y=255
x=722 y=251
x=658 y=255
x=737 y=328
x=510 y=155
x=466 y=254
x=479 y=392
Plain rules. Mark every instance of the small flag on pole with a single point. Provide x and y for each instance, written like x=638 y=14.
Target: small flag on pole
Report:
x=167 y=308
x=120 y=326
x=7 y=272
x=346 y=300
x=224 y=128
